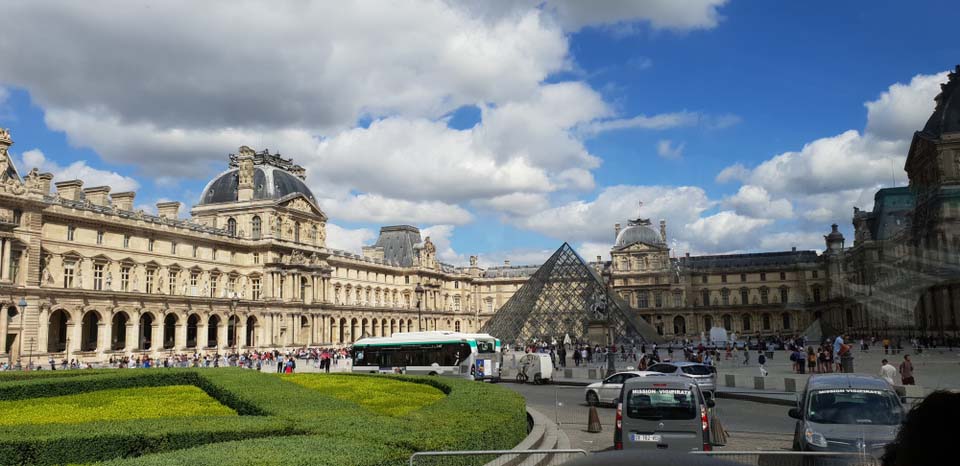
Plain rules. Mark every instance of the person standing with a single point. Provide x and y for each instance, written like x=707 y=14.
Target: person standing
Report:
x=888 y=372
x=906 y=371
x=761 y=360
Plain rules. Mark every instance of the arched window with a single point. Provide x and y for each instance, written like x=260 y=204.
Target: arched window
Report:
x=456 y=326
x=679 y=325
x=745 y=323
x=786 y=321
x=727 y=322
x=296 y=232
x=232 y=227
x=255 y=227
x=849 y=316
x=766 y=321
x=707 y=322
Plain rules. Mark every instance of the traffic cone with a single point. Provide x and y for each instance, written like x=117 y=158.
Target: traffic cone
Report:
x=593 y=424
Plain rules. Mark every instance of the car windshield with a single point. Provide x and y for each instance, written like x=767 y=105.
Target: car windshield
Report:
x=854 y=406
x=696 y=370
x=661 y=403
x=662 y=368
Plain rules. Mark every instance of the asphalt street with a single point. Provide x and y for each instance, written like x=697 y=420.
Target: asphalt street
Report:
x=750 y=425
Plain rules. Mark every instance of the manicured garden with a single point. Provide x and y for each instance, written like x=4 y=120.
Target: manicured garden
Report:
x=208 y=416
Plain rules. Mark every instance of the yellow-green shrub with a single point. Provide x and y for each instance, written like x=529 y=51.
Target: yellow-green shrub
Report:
x=382 y=396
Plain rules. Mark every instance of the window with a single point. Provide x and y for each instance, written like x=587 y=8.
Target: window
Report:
x=233 y=257
x=677 y=299
x=214 y=254
x=313 y=234
x=764 y=295
x=642 y=300
x=17 y=216
x=786 y=321
x=256 y=258
x=172 y=282
x=743 y=277
x=658 y=299
x=231 y=227
x=723 y=278
x=195 y=251
x=126 y=241
x=150 y=244
x=816 y=274
x=214 y=279
x=456 y=285
x=784 y=295
x=703 y=279
x=194 y=276
x=296 y=232
x=69 y=268
x=744 y=296
x=125 y=278
x=705 y=296
x=255 y=227
x=725 y=296
x=100 y=237
x=727 y=322
x=816 y=295
x=71 y=231
x=783 y=275
x=98 y=277
x=763 y=276
x=456 y=326
x=406 y=280
x=766 y=321
x=745 y=323
x=149 y=282
x=255 y=284
x=231 y=286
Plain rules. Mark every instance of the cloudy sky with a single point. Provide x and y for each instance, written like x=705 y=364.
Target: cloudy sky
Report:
x=502 y=127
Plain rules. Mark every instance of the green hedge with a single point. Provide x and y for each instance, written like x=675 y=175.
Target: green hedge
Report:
x=301 y=425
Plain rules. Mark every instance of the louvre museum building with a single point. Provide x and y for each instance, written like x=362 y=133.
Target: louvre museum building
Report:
x=86 y=275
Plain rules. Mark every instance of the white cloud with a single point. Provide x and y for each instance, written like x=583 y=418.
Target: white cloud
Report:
x=516 y=203
x=654 y=122
x=78 y=170
x=668 y=150
x=661 y=14
x=346 y=239
x=755 y=201
x=378 y=209
x=516 y=257
x=725 y=230
x=803 y=241
x=903 y=108
x=440 y=236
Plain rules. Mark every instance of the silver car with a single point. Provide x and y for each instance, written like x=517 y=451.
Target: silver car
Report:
x=705 y=376
x=607 y=391
x=846 y=413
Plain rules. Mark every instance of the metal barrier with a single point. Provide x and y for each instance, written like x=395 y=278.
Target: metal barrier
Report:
x=496 y=457
x=793 y=458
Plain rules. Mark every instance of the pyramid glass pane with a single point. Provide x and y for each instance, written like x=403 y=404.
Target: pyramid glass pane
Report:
x=563 y=297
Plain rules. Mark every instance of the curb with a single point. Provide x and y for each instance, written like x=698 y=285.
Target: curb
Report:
x=755 y=398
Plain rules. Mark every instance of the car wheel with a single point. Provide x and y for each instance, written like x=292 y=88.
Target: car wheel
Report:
x=592 y=399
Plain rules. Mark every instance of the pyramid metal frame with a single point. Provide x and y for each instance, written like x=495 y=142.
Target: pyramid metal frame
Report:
x=563 y=297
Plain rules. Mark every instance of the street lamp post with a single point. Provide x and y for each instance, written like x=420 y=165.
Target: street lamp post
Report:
x=419 y=291
x=23 y=310
x=234 y=299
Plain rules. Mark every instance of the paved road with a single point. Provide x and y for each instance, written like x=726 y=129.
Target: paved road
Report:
x=751 y=425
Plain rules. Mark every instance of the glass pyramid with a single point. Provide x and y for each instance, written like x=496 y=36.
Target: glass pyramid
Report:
x=564 y=297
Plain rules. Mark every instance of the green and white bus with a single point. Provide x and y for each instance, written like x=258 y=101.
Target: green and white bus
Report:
x=469 y=355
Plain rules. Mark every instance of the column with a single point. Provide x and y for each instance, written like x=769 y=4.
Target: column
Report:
x=293 y=328
x=104 y=333
x=203 y=332
x=132 y=335
x=241 y=333
x=5 y=257
x=3 y=332
x=74 y=336
x=156 y=336
x=180 y=334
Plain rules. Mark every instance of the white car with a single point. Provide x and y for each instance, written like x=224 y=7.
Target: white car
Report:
x=607 y=391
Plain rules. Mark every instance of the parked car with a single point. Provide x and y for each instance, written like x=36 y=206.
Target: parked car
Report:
x=704 y=375
x=846 y=413
x=658 y=413
x=607 y=391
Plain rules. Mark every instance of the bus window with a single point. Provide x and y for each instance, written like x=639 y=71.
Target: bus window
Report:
x=485 y=347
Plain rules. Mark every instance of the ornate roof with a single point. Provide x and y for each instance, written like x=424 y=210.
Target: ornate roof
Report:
x=946 y=116
x=638 y=232
x=273 y=178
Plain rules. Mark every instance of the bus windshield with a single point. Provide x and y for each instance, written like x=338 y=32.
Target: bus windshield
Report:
x=486 y=346
x=854 y=406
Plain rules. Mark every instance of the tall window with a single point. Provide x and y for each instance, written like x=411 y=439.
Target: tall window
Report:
x=195 y=249
x=766 y=321
x=816 y=295
x=727 y=322
x=313 y=234
x=255 y=227
x=763 y=276
x=705 y=296
x=126 y=241
x=100 y=237
x=743 y=277
x=150 y=245
x=744 y=296
x=816 y=274
x=658 y=298
x=125 y=278
x=149 y=281
x=98 y=277
x=173 y=247
x=214 y=279
x=703 y=279
x=255 y=283
x=69 y=269
x=71 y=231
x=783 y=275
x=256 y=258
x=677 y=299
x=786 y=321
x=194 y=277
x=456 y=326
x=172 y=282
x=214 y=254
x=231 y=227
x=723 y=278
x=745 y=323
x=764 y=295
x=642 y=300
x=231 y=286
x=725 y=296
x=17 y=216
x=296 y=232
x=784 y=295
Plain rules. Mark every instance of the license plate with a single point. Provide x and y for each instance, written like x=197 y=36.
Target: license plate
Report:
x=644 y=438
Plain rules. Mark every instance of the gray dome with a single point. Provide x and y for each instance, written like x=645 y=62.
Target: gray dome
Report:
x=638 y=234
x=269 y=182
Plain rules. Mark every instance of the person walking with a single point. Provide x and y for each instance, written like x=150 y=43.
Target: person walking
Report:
x=746 y=357
x=761 y=360
x=888 y=372
x=906 y=371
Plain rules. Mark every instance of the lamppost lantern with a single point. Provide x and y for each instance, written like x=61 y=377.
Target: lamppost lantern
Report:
x=419 y=291
x=22 y=303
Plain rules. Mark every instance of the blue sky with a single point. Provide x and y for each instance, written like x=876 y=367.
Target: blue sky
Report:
x=491 y=125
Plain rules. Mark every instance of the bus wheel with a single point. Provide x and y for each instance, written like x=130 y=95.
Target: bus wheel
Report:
x=434 y=374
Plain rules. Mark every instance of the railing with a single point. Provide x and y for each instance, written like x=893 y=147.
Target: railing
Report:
x=793 y=458
x=496 y=457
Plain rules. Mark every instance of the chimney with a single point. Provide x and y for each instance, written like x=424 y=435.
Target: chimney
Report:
x=245 y=173
x=794 y=249
x=97 y=195
x=123 y=201
x=473 y=261
x=688 y=255
x=506 y=263
x=616 y=231
x=46 y=179
x=663 y=230
x=599 y=258
x=170 y=210
x=69 y=190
